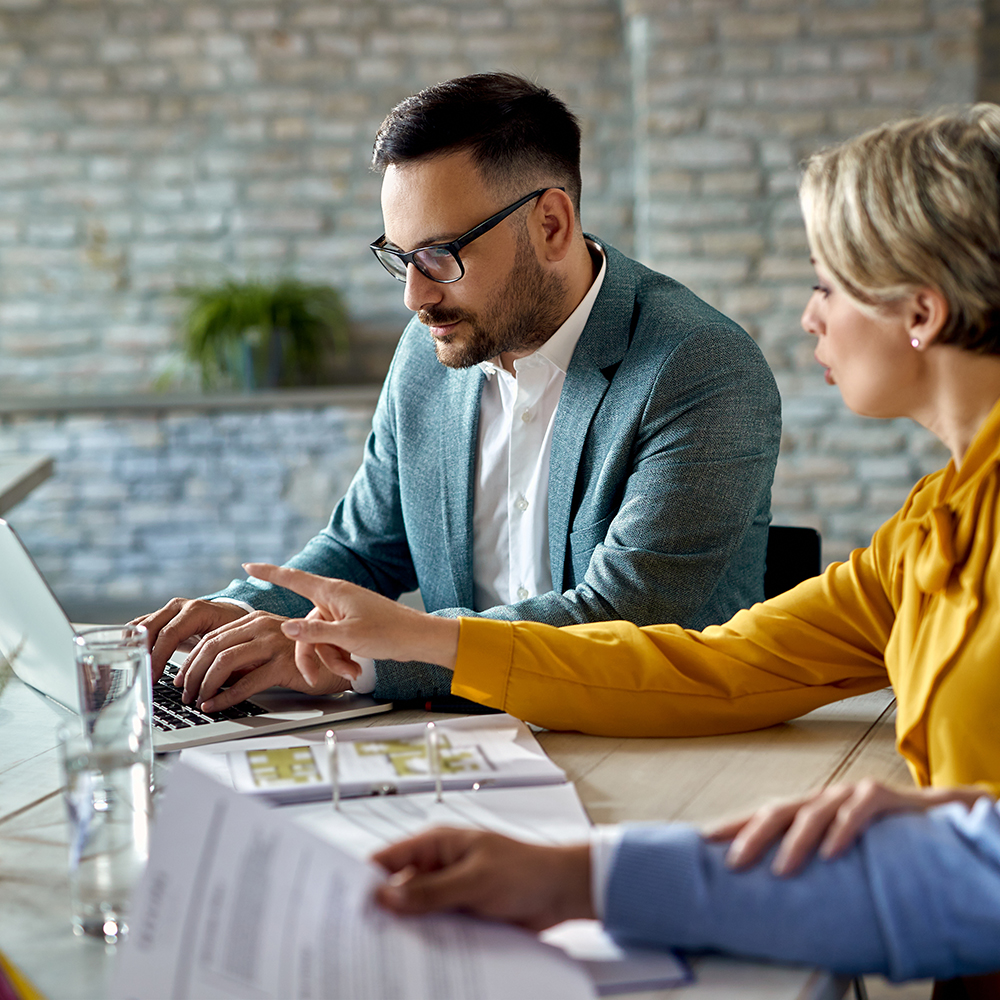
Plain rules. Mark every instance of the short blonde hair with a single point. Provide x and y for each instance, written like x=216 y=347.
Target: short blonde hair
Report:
x=912 y=204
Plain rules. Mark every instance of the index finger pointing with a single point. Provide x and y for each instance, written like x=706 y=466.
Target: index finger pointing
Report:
x=307 y=584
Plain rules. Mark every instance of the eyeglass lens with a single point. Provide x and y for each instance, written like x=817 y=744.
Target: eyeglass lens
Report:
x=435 y=262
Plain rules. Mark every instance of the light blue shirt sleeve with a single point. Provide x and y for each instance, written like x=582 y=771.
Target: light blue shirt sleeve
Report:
x=917 y=897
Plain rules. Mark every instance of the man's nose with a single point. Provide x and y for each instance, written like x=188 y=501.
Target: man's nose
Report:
x=420 y=291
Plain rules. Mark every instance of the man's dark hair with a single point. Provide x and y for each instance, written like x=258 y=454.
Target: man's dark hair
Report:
x=512 y=128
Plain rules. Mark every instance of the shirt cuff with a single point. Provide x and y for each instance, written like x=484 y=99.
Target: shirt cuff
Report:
x=604 y=841
x=364 y=683
x=232 y=600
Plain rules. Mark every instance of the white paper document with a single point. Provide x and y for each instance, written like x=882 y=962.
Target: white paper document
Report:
x=239 y=901
x=612 y=968
x=494 y=751
x=550 y=815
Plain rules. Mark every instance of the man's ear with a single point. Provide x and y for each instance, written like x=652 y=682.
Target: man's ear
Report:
x=927 y=312
x=554 y=220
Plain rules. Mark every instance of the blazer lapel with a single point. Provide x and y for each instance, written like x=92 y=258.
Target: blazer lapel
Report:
x=457 y=449
x=600 y=349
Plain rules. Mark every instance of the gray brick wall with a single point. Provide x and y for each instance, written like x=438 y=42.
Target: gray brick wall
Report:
x=729 y=97
x=141 y=144
x=148 y=504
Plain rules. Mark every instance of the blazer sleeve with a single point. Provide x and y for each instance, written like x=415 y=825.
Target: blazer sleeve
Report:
x=365 y=540
x=917 y=897
x=819 y=642
x=685 y=537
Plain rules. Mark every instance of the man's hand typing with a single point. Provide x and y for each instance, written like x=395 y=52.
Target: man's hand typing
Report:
x=231 y=646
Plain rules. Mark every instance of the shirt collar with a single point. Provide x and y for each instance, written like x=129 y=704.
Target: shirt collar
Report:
x=558 y=349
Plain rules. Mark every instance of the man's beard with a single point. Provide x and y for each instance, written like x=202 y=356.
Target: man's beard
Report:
x=521 y=316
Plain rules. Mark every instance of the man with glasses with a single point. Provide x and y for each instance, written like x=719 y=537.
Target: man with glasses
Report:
x=563 y=435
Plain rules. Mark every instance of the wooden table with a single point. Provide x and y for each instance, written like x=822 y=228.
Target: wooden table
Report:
x=19 y=476
x=617 y=779
x=707 y=778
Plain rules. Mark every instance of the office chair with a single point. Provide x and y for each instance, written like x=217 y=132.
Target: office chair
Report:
x=793 y=555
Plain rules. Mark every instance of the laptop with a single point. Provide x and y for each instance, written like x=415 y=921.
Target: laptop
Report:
x=36 y=639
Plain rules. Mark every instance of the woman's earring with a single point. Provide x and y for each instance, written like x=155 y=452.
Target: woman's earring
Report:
x=915 y=343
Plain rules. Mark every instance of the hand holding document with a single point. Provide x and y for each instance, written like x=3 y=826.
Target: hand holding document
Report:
x=239 y=901
x=368 y=821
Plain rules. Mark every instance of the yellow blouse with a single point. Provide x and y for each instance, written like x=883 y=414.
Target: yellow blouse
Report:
x=919 y=607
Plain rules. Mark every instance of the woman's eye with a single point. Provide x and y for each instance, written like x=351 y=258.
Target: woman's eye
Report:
x=822 y=289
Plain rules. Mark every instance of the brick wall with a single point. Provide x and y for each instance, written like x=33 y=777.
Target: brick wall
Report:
x=146 y=143
x=154 y=502
x=730 y=96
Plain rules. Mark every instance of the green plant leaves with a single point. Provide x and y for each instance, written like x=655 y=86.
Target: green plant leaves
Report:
x=258 y=334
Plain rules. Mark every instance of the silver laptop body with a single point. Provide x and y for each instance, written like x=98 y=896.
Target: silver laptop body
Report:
x=36 y=638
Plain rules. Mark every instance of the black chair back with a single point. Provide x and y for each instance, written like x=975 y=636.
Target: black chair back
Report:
x=793 y=555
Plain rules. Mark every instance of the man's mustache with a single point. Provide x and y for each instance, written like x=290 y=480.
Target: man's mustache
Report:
x=441 y=317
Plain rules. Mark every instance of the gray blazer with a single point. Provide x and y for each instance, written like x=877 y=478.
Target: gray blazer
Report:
x=663 y=453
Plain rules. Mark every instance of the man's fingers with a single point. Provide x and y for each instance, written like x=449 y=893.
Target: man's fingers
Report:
x=456 y=887
x=180 y=620
x=427 y=851
x=249 y=684
x=253 y=666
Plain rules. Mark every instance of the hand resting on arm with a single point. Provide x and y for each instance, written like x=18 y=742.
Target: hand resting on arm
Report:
x=824 y=822
x=349 y=619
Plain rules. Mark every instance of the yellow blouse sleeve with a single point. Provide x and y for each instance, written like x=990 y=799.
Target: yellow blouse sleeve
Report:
x=822 y=641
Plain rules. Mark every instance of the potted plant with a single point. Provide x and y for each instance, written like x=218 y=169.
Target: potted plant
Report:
x=257 y=334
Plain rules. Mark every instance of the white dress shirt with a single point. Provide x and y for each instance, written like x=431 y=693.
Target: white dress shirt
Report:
x=510 y=519
x=604 y=841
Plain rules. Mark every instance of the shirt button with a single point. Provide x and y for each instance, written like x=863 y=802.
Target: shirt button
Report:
x=521 y=593
x=521 y=504
x=526 y=416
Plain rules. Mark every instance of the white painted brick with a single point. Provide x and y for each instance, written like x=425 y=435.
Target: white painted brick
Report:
x=702 y=152
x=797 y=90
x=273 y=106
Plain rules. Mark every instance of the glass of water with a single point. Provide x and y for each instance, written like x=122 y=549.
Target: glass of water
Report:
x=113 y=675
x=108 y=805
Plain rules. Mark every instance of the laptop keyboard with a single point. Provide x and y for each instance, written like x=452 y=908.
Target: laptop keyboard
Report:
x=170 y=713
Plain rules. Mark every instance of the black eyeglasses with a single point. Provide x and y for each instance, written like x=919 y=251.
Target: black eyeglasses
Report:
x=441 y=262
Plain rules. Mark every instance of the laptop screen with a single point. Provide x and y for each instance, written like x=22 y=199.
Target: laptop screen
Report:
x=36 y=637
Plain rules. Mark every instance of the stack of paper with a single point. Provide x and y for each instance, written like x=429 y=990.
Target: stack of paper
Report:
x=237 y=901
x=378 y=765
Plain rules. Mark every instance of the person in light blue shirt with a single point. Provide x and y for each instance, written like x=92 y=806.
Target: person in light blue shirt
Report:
x=915 y=895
